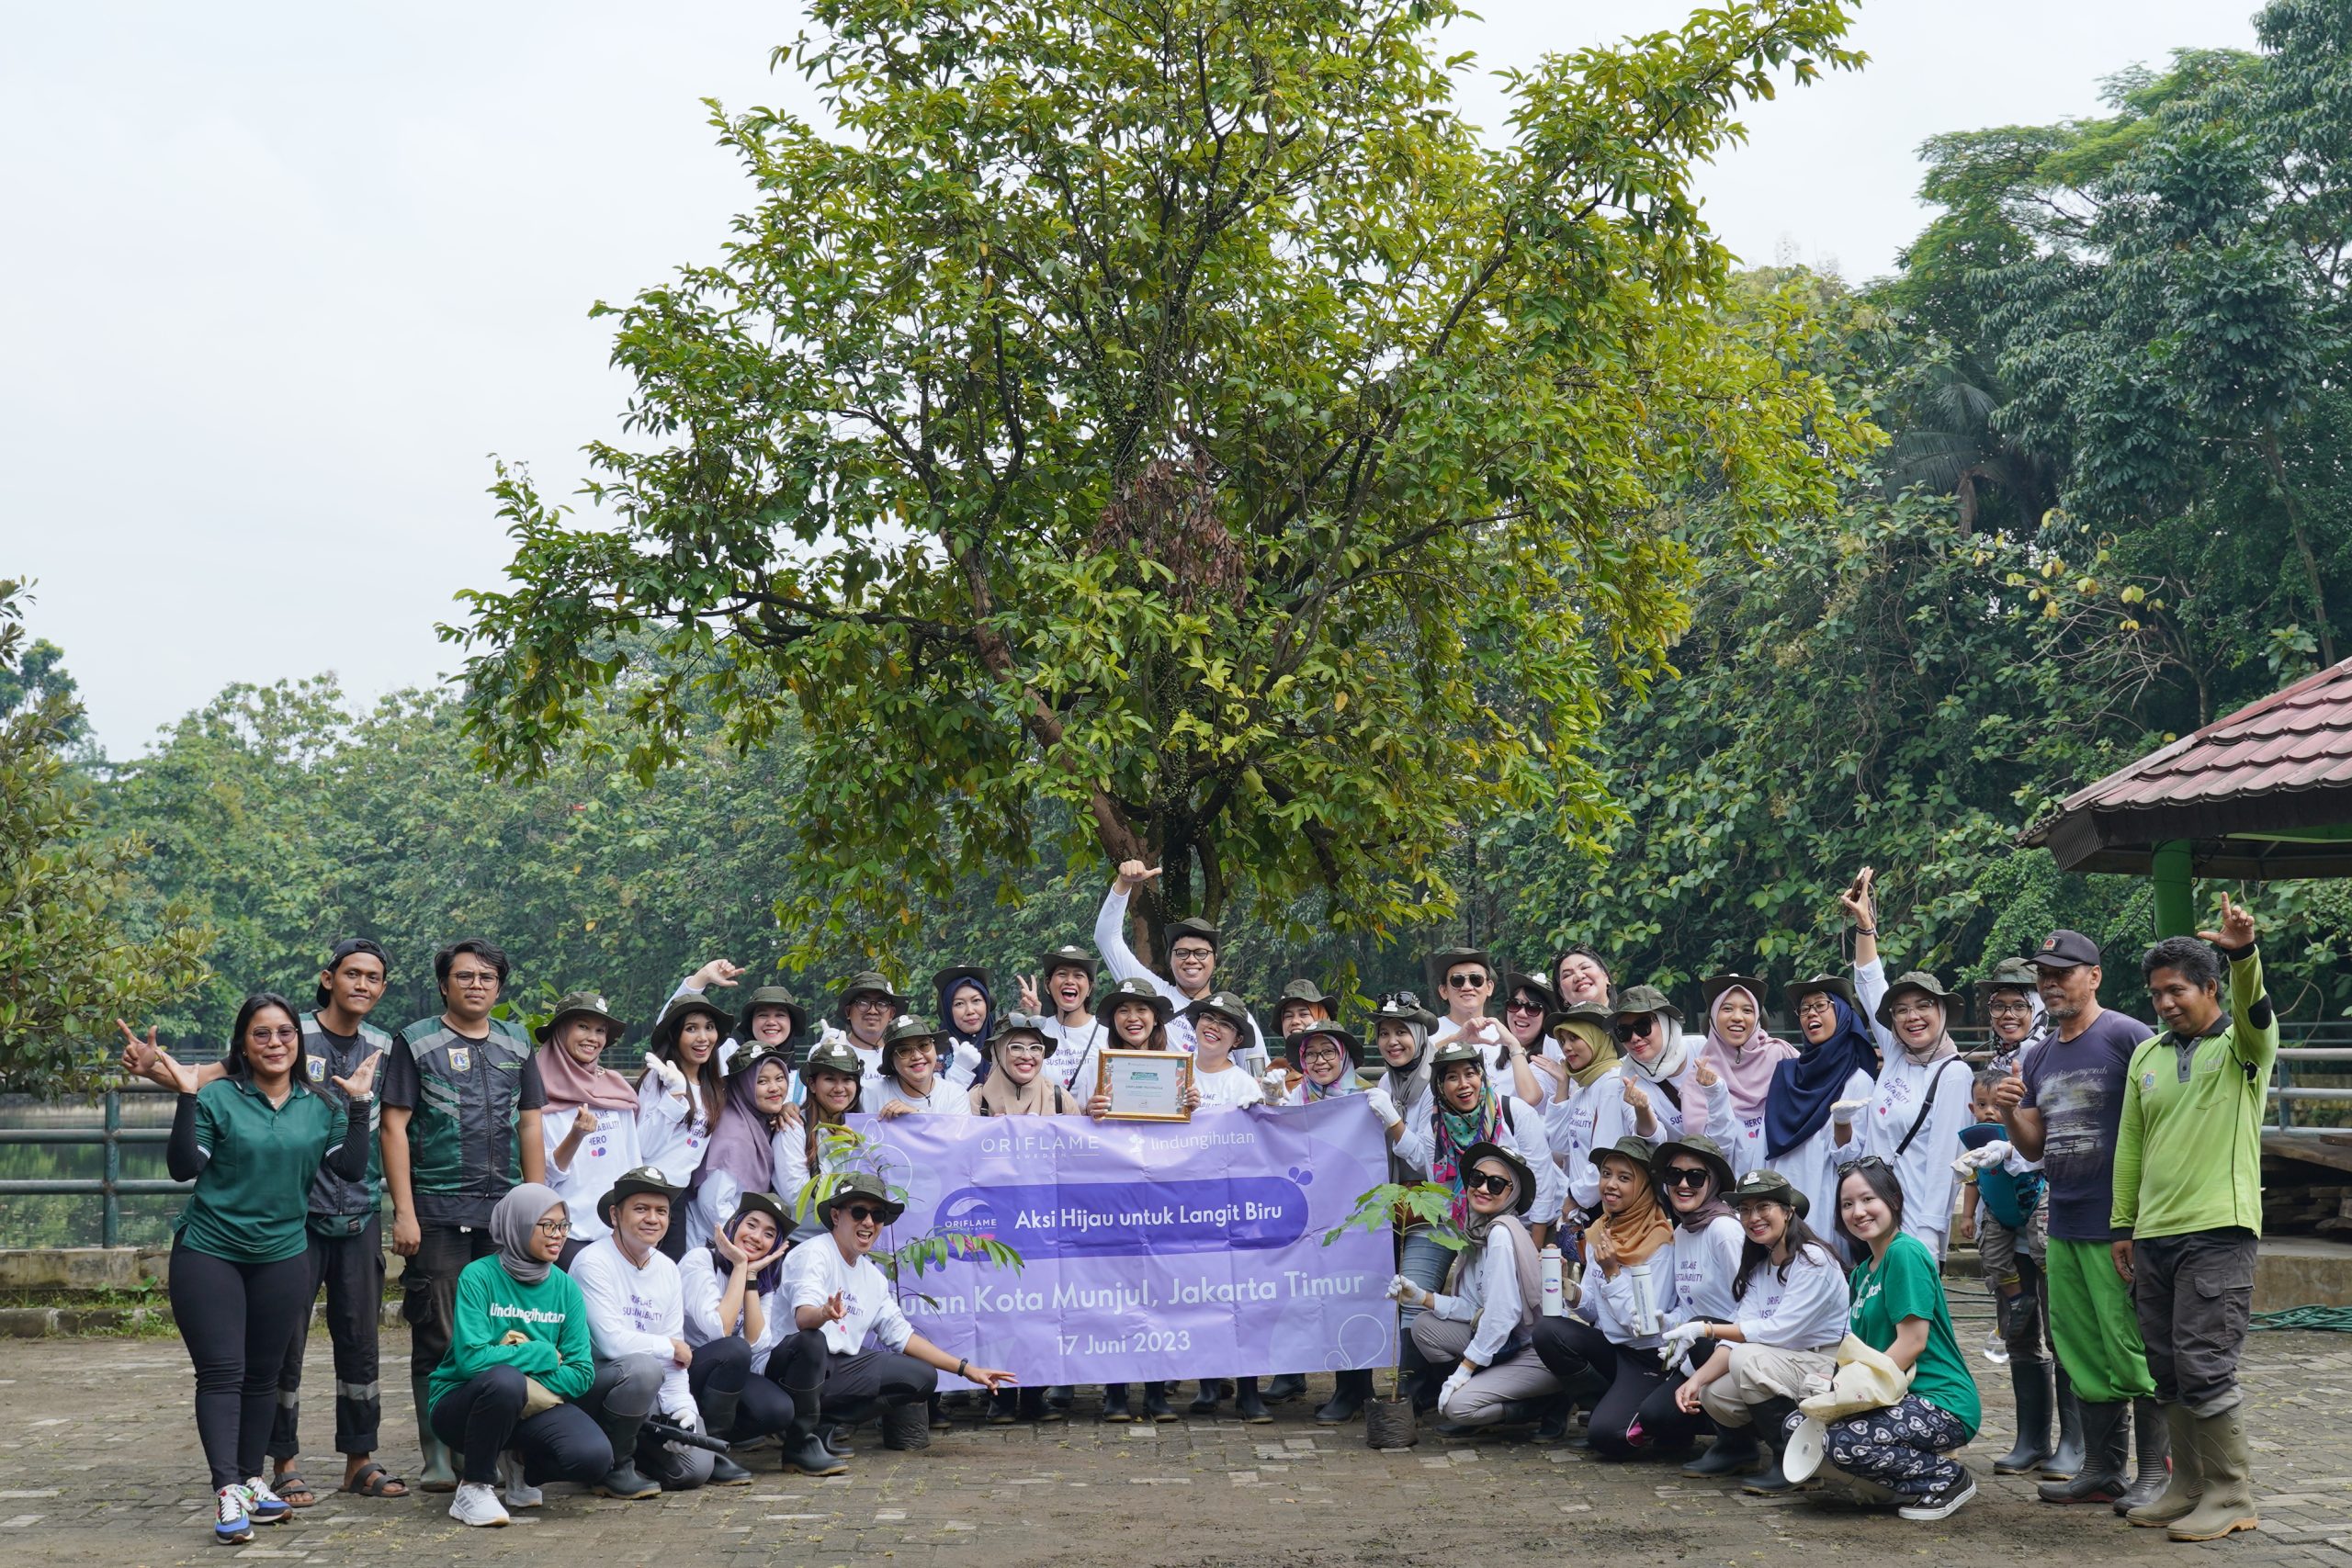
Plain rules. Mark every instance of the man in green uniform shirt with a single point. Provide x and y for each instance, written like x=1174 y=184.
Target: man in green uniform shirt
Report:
x=2188 y=1212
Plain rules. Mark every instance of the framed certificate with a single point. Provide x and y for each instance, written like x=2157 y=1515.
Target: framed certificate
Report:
x=1145 y=1086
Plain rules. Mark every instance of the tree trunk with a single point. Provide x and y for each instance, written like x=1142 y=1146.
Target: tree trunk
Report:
x=2278 y=466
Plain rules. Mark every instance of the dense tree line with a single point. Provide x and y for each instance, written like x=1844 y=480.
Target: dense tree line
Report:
x=2069 y=483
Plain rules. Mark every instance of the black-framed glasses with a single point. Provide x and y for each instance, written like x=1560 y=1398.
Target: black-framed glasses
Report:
x=1486 y=1181
x=1178 y=953
x=553 y=1227
x=861 y=1214
x=1632 y=1029
x=2006 y=1009
x=1467 y=980
x=1683 y=1176
x=1319 y=1054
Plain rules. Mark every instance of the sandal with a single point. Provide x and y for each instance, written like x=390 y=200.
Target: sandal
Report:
x=373 y=1481
x=292 y=1489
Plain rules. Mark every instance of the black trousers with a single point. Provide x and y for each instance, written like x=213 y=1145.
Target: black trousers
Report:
x=1637 y=1414
x=482 y=1418
x=853 y=1386
x=429 y=1288
x=724 y=1366
x=2192 y=1293
x=352 y=1269
x=235 y=1319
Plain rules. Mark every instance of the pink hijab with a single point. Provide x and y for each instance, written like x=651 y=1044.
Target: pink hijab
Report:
x=569 y=1084
x=1747 y=1073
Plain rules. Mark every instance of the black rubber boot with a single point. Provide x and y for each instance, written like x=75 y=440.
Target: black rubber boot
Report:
x=1248 y=1404
x=1347 y=1399
x=1285 y=1385
x=1211 y=1391
x=2029 y=1381
x=1551 y=1424
x=939 y=1422
x=1770 y=1425
x=2107 y=1440
x=1114 y=1402
x=2067 y=1461
x=1004 y=1406
x=1059 y=1399
x=624 y=1480
x=2152 y=1448
x=1734 y=1452
x=804 y=1449
x=718 y=1406
x=835 y=1436
x=1155 y=1401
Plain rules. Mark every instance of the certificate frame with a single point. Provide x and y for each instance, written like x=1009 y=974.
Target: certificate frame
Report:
x=1112 y=1068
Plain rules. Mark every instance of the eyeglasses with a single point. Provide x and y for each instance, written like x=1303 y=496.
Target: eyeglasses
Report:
x=553 y=1227
x=1486 y=1181
x=2006 y=1010
x=1024 y=1048
x=1815 y=1002
x=862 y=1214
x=1195 y=953
x=1518 y=1006
x=284 y=1037
x=473 y=977
x=1468 y=980
x=1633 y=1027
x=1683 y=1176
x=1319 y=1054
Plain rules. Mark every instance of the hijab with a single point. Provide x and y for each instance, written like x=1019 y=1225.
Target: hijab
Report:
x=1478 y=1228
x=1457 y=1130
x=511 y=1224
x=997 y=1095
x=1807 y=1085
x=1673 y=1053
x=1706 y=1214
x=1406 y=1085
x=1604 y=1051
x=744 y=1146
x=954 y=1042
x=1939 y=1048
x=569 y=1086
x=765 y=1281
x=1745 y=1070
x=1641 y=1227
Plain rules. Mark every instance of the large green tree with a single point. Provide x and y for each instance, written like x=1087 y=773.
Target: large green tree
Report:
x=1170 y=423
x=68 y=967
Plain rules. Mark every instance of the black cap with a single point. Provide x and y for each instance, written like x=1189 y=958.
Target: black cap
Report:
x=2066 y=950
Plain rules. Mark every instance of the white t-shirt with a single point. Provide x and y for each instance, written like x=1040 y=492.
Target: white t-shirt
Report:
x=1807 y=1312
x=602 y=1155
x=1231 y=1090
x=635 y=1310
x=672 y=1126
x=703 y=1288
x=1072 y=1062
x=816 y=1271
x=945 y=1099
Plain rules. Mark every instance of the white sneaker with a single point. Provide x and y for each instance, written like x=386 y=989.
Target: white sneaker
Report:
x=518 y=1492
x=234 y=1526
x=263 y=1505
x=1940 y=1505
x=476 y=1504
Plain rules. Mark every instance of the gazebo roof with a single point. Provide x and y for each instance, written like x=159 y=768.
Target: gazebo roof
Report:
x=2263 y=793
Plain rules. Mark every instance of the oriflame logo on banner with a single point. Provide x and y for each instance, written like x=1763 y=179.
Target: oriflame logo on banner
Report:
x=1112 y=1219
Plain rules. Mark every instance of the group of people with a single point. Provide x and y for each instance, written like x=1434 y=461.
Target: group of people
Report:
x=627 y=1284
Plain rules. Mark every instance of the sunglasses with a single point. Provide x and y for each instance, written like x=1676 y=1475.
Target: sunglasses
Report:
x=1862 y=1162
x=1486 y=1181
x=1529 y=1008
x=1683 y=1176
x=1632 y=1031
x=1400 y=1001
x=1468 y=980
x=861 y=1214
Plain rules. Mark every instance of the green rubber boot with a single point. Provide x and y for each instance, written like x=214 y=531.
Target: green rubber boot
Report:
x=440 y=1471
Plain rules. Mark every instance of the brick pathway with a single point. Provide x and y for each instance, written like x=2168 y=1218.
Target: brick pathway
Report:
x=98 y=1466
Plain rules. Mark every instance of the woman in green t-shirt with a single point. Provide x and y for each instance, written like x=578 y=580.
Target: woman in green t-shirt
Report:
x=1899 y=1309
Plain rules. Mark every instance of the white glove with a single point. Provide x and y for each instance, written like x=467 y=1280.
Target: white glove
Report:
x=1400 y=1289
x=1680 y=1338
x=691 y=1419
x=1844 y=1111
x=667 y=1071
x=1452 y=1385
x=1974 y=1160
x=1277 y=1084
x=1383 y=1105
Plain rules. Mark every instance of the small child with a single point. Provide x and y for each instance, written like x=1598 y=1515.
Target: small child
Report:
x=2004 y=1209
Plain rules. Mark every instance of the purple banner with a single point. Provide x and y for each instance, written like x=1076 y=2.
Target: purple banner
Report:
x=1149 y=1249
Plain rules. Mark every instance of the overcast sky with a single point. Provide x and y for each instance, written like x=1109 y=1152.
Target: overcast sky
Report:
x=276 y=280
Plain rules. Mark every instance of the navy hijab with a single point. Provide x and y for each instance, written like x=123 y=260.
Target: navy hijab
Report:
x=1805 y=1086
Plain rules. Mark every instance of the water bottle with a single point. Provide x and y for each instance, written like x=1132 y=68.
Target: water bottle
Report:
x=1549 y=1265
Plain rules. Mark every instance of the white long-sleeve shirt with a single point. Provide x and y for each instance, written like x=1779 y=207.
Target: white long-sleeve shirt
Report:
x=1640 y=1292
x=1806 y=1313
x=1120 y=959
x=672 y=1126
x=1812 y=1166
x=1568 y=1128
x=815 y=1272
x=790 y=1147
x=705 y=1291
x=1704 y=1111
x=1499 y=1075
x=1705 y=1263
x=1523 y=1135
x=635 y=1310
x=602 y=1155
x=1924 y=1170
x=1490 y=1298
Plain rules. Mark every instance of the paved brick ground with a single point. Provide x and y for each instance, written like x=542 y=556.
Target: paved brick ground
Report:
x=97 y=1465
